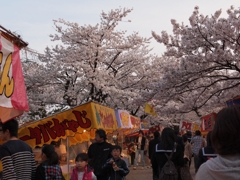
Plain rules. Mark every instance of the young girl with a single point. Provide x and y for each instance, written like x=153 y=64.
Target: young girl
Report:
x=49 y=168
x=82 y=171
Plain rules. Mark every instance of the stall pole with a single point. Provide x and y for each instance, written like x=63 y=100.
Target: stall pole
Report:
x=68 y=175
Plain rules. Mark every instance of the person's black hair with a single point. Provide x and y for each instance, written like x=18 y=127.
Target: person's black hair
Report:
x=131 y=144
x=168 y=138
x=198 y=133
x=156 y=134
x=82 y=157
x=140 y=132
x=50 y=153
x=185 y=138
x=176 y=130
x=209 y=141
x=101 y=133
x=189 y=134
x=225 y=134
x=11 y=126
x=117 y=147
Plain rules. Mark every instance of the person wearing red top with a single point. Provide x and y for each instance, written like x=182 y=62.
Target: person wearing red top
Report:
x=82 y=170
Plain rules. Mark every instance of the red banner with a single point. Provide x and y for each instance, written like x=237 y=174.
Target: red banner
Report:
x=13 y=97
x=189 y=126
x=208 y=122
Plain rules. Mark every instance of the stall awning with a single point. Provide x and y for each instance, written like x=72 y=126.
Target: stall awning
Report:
x=136 y=133
x=78 y=123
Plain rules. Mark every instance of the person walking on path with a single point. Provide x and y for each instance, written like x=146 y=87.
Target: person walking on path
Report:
x=141 y=140
x=189 y=138
x=16 y=156
x=198 y=143
x=185 y=170
x=226 y=143
x=152 y=144
x=147 y=160
x=98 y=154
x=178 y=137
x=168 y=141
x=131 y=152
x=187 y=150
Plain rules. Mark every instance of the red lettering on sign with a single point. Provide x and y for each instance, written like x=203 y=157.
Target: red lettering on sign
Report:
x=80 y=117
x=186 y=125
x=73 y=125
x=56 y=129
x=50 y=130
x=44 y=133
x=64 y=124
x=35 y=133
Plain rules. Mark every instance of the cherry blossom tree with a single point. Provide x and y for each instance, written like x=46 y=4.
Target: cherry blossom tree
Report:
x=202 y=63
x=91 y=63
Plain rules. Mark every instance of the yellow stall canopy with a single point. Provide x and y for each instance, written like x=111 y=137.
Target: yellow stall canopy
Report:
x=79 y=123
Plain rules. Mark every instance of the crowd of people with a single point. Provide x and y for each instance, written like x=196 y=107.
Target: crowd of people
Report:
x=169 y=153
x=186 y=148
x=216 y=157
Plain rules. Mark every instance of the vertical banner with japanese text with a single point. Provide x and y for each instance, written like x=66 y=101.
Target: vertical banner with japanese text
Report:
x=13 y=98
x=208 y=122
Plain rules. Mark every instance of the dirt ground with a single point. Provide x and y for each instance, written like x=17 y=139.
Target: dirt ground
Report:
x=146 y=174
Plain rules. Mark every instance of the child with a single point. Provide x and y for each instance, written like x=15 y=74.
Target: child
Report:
x=49 y=168
x=82 y=171
x=115 y=166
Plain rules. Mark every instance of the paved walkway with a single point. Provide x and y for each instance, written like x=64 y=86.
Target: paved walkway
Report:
x=146 y=174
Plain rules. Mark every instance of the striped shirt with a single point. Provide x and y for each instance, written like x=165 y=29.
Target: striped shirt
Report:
x=17 y=160
x=198 y=143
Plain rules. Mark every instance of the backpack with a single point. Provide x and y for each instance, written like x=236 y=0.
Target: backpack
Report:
x=169 y=171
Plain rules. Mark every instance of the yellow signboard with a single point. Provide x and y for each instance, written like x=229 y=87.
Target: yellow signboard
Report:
x=79 y=123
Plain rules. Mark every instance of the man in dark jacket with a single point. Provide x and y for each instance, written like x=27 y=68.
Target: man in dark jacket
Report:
x=179 y=139
x=152 y=144
x=98 y=154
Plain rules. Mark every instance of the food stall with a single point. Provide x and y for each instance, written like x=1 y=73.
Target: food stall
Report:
x=69 y=131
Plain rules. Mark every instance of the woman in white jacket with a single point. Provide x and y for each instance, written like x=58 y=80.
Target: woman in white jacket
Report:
x=226 y=142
